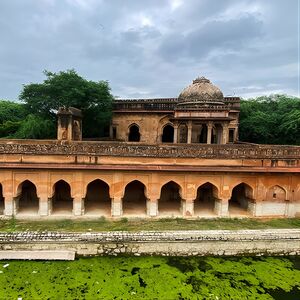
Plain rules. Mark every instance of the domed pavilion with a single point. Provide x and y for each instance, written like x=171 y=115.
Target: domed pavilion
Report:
x=200 y=114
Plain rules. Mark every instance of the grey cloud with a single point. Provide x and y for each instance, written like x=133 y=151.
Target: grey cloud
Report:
x=146 y=48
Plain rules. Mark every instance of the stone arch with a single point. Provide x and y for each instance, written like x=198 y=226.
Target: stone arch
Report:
x=207 y=194
x=134 y=199
x=134 y=134
x=241 y=196
x=62 y=201
x=276 y=193
x=170 y=201
x=89 y=180
x=97 y=198
x=26 y=200
x=167 y=133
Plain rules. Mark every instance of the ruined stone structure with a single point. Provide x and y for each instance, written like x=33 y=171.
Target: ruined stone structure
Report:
x=166 y=157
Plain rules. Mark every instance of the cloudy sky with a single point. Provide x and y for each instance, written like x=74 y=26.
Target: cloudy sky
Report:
x=152 y=48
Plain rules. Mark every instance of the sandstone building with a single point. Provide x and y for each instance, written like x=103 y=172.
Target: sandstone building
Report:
x=166 y=157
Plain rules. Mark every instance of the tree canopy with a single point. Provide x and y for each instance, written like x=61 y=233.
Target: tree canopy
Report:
x=67 y=88
x=273 y=119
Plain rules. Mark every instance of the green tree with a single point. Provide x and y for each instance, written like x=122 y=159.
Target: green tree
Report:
x=11 y=116
x=273 y=119
x=67 y=88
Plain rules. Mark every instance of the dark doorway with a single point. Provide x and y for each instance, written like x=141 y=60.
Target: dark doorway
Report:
x=28 y=201
x=134 y=200
x=168 y=134
x=62 y=201
x=97 y=200
x=231 y=135
x=205 y=201
x=238 y=203
x=169 y=203
x=134 y=134
x=1 y=200
x=203 y=135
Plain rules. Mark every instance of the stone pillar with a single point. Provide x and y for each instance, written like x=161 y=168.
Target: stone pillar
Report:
x=175 y=139
x=8 y=206
x=189 y=137
x=188 y=207
x=225 y=133
x=15 y=205
x=116 y=207
x=236 y=135
x=152 y=208
x=221 y=208
x=78 y=204
x=44 y=206
x=209 y=131
x=70 y=128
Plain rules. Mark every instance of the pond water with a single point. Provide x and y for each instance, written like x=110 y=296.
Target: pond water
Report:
x=152 y=278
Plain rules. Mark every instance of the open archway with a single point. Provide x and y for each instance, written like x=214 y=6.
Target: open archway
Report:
x=204 y=203
x=168 y=134
x=1 y=200
x=27 y=201
x=134 y=200
x=134 y=133
x=62 y=202
x=97 y=199
x=169 y=203
x=241 y=195
x=203 y=134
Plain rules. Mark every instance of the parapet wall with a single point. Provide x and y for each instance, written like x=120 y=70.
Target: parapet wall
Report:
x=168 y=243
x=229 y=151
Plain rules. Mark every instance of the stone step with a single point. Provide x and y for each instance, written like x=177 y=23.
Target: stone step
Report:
x=37 y=255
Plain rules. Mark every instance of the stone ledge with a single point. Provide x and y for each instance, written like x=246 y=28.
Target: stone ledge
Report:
x=37 y=255
x=151 y=236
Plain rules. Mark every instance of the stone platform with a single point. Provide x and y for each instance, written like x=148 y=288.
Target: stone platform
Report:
x=173 y=243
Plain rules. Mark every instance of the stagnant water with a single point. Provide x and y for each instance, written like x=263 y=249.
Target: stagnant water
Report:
x=153 y=278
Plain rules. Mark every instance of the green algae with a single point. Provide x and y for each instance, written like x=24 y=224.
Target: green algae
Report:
x=150 y=278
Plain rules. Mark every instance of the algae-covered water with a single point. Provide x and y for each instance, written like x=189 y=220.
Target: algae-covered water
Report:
x=152 y=278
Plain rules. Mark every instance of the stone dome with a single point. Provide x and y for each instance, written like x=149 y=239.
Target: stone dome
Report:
x=201 y=92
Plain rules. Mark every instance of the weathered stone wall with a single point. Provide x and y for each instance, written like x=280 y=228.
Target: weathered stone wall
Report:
x=182 y=243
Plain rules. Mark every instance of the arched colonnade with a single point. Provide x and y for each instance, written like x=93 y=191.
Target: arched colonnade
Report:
x=138 y=198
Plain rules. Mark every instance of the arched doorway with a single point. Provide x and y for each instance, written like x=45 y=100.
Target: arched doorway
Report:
x=169 y=203
x=27 y=201
x=203 y=135
x=62 y=202
x=168 y=134
x=134 y=133
x=1 y=200
x=97 y=199
x=134 y=200
x=241 y=195
x=204 y=204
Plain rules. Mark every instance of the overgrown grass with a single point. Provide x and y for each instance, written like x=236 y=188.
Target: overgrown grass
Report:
x=102 y=224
